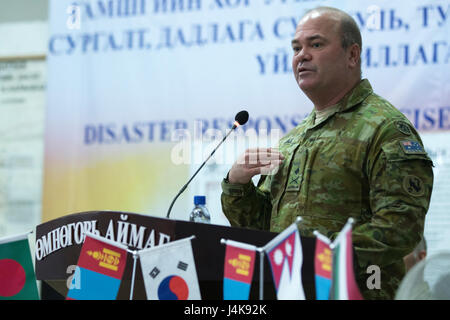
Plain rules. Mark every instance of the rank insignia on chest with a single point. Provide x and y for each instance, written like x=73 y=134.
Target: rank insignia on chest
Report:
x=412 y=147
x=294 y=178
x=296 y=172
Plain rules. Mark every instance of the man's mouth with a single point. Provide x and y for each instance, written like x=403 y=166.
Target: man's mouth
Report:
x=303 y=69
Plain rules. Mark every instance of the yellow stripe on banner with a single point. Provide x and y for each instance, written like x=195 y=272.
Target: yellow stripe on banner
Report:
x=242 y=272
x=112 y=253
x=244 y=257
x=108 y=266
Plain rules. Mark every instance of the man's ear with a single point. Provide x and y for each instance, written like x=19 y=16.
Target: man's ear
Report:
x=422 y=255
x=354 y=56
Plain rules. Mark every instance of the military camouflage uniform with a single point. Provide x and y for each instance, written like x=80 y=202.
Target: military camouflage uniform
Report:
x=364 y=161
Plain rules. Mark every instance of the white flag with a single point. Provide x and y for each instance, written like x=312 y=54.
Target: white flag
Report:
x=286 y=258
x=169 y=271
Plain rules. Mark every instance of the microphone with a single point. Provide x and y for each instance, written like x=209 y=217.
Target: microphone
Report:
x=240 y=119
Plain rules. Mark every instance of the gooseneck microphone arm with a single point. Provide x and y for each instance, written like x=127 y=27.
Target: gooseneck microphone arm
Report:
x=240 y=119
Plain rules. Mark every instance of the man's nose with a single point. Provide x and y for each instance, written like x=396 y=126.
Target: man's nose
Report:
x=304 y=55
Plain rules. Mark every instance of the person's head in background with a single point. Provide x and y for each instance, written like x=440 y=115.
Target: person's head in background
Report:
x=418 y=254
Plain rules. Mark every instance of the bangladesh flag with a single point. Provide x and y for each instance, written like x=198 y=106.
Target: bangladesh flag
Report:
x=17 y=278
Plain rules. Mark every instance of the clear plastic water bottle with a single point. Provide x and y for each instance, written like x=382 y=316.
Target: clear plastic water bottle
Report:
x=200 y=213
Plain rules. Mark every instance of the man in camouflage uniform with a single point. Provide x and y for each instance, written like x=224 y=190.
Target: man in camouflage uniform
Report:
x=354 y=156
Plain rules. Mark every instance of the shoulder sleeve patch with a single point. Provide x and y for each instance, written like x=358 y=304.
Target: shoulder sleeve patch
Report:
x=403 y=127
x=413 y=185
x=411 y=147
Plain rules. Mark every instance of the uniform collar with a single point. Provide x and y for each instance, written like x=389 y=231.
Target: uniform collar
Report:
x=354 y=97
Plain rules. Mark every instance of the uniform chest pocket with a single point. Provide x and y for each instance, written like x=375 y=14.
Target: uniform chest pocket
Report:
x=297 y=171
x=337 y=174
x=342 y=155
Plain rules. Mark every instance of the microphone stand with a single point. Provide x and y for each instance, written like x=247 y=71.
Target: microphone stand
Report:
x=203 y=164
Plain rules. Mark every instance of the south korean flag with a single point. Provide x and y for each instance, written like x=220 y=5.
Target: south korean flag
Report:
x=169 y=271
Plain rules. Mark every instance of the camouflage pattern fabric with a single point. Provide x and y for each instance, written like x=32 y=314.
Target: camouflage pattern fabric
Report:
x=365 y=161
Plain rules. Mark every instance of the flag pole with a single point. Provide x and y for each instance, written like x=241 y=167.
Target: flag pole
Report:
x=133 y=275
x=322 y=237
x=348 y=224
x=285 y=231
x=261 y=273
x=16 y=237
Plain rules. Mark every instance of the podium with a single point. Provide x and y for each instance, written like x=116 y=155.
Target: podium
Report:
x=58 y=245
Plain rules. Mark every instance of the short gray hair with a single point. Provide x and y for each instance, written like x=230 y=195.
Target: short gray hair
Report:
x=349 y=29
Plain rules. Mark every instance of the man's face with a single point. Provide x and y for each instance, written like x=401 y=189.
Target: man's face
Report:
x=319 y=61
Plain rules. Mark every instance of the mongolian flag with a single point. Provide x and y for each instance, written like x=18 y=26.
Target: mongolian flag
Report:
x=17 y=277
x=169 y=271
x=99 y=270
x=323 y=261
x=238 y=270
x=286 y=258
x=344 y=285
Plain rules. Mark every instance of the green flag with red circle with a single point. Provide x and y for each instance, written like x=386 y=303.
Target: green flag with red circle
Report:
x=17 y=277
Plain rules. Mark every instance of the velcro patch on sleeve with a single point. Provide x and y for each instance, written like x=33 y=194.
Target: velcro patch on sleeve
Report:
x=403 y=127
x=411 y=147
x=413 y=185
